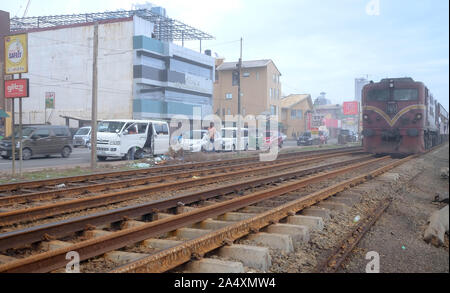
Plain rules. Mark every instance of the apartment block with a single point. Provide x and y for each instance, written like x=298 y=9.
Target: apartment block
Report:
x=260 y=88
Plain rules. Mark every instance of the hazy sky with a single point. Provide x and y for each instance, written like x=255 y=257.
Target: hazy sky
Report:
x=317 y=45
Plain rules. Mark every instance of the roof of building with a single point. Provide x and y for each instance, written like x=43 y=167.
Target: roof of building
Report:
x=245 y=64
x=166 y=29
x=328 y=107
x=293 y=100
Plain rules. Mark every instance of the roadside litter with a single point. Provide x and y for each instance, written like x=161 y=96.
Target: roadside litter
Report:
x=141 y=165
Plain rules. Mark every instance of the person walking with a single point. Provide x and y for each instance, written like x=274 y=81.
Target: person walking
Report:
x=212 y=135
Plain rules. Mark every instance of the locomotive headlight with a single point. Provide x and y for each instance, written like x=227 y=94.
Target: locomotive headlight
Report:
x=366 y=117
x=419 y=116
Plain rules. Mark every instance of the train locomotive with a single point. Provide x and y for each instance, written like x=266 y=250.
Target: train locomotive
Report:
x=401 y=117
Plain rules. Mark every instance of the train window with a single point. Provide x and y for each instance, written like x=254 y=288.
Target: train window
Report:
x=406 y=94
x=378 y=95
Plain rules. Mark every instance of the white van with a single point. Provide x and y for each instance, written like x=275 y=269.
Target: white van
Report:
x=229 y=139
x=117 y=138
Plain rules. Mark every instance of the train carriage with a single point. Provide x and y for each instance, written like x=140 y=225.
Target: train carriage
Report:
x=400 y=116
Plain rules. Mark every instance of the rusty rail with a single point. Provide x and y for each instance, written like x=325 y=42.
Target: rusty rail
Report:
x=104 y=175
x=99 y=187
x=23 y=215
x=173 y=257
x=23 y=237
x=52 y=260
x=335 y=260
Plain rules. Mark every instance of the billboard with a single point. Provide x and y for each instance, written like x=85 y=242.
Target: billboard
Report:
x=18 y=88
x=49 y=100
x=16 y=54
x=350 y=108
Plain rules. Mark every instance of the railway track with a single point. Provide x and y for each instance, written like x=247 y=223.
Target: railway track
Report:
x=123 y=235
x=51 y=184
x=43 y=211
x=119 y=183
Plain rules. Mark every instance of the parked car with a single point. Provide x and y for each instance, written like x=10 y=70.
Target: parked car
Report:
x=198 y=140
x=82 y=136
x=118 y=138
x=229 y=139
x=305 y=139
x=42 y=140
x=346 y=136
x=271 y=139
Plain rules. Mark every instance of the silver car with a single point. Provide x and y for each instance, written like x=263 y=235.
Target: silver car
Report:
x=82 y=137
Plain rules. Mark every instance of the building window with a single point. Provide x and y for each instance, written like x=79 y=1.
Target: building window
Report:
x=271 y=93
x=229 y=96
x=246 y=74
x=217 y=75
x=293 y=114
x=229 y=111
x=273 y=110
x=299 y=114
x=243 y=112
x=257 y=75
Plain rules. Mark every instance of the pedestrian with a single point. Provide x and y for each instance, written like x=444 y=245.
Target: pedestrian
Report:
x=212 y=135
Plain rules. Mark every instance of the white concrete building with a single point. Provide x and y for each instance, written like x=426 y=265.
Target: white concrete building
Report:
x=141 y=73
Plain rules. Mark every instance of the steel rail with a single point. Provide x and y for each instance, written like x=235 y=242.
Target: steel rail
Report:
x=99 y=187
x=97 y=176
x=332 y=264
x=64 y=228
x=30 y=214
x=52 y=260
x=175 y=256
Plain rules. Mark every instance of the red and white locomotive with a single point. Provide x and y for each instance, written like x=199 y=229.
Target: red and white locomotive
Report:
x=400 y=116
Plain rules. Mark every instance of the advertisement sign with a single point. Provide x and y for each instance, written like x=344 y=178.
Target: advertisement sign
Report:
x=317 y=121
x=349 y=121
x=18 y=88
x=49 y=100
x=350 y=108
x=16 y=54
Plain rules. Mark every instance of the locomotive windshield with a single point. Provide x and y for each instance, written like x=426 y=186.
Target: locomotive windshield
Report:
x=406 y=94
x=378 y=95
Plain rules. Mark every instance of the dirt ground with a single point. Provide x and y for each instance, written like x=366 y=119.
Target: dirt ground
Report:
x=398 y=234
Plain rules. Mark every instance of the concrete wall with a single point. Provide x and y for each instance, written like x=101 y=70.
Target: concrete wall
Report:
x=60 y=61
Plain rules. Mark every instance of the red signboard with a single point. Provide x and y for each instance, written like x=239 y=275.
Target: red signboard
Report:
x=18 y=88
x=350 y=108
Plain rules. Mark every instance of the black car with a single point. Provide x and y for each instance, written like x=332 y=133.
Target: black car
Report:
x=39 y=140
x=305 y=139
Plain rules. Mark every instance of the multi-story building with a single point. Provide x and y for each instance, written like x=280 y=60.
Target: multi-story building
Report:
x=260 y=88
x=142 y=74
x=294 y=114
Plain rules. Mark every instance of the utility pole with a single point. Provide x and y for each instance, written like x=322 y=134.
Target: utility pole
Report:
x=13 y=140
x=94 y=102
x=239 y=128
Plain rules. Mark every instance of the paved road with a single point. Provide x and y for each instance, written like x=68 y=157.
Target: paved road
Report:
x=78 y=156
